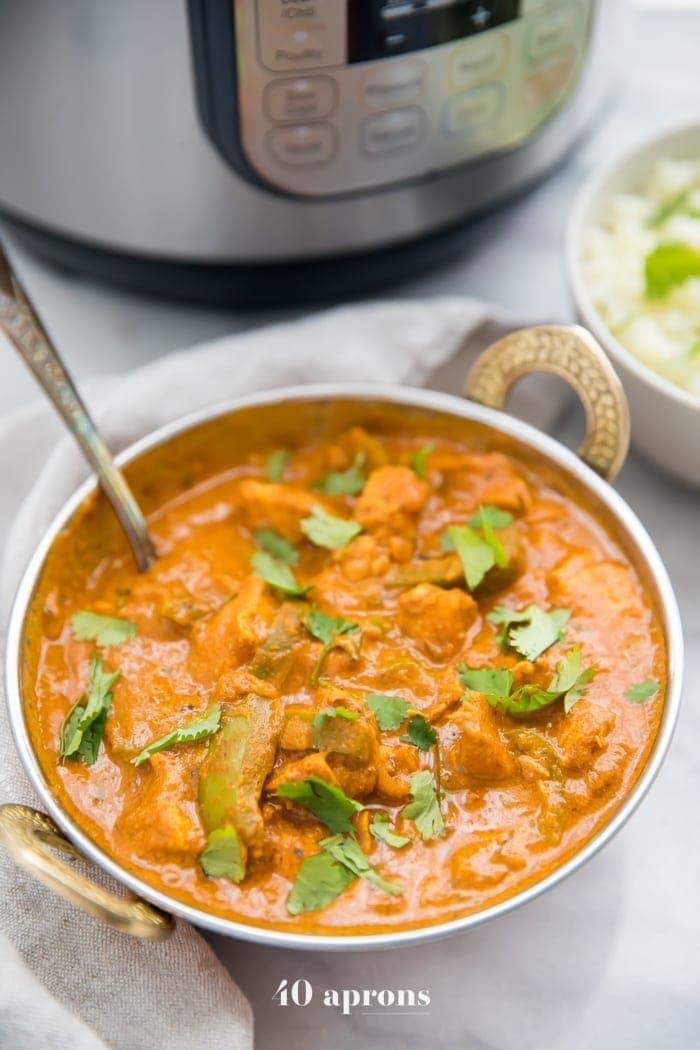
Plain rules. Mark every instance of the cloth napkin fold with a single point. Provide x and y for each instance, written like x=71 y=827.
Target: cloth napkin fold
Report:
x=82 y=984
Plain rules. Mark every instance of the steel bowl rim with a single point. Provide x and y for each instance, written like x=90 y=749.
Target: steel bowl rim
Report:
x=409 y=397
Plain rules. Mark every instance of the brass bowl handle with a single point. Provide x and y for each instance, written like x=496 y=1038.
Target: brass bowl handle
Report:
x=31 y=837
x=573 y=354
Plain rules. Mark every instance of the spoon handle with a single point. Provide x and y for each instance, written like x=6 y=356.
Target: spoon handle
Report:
x=21 y=324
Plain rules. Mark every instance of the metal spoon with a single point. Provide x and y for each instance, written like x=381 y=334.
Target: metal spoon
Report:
x=21 y=324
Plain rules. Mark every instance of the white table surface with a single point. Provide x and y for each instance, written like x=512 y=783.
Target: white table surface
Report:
x=620 y=983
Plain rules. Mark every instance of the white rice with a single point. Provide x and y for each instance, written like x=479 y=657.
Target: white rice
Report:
x=663 y=333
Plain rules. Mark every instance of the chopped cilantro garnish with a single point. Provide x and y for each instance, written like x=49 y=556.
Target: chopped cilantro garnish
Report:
x=104 y=630
x=642 y=691
x=325 y=801
x=190 y=733
x=498 y=680
x=319 y=881
x=418 y=462
x=83 y=727
x=668 y=266
x=424 y=810
x=420 y=733
x=389 y=711
x=276 y=573
x=329 y=630
x=380 y=828
x=347 y=852
x=325 y=530
x=568 y=683
x=277 y=546
x=530 y=631
x=275 y=464
x=223 y=856
x=495 y=516
x=478 y=554
x=348 y=482
x=333 y=712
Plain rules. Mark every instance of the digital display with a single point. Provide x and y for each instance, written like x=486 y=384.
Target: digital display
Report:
x=393 y=27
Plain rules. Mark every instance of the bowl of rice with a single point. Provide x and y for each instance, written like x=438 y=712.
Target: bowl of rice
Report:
x=633 y=259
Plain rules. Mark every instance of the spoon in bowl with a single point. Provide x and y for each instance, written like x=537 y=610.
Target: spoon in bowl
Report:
x=20 y=323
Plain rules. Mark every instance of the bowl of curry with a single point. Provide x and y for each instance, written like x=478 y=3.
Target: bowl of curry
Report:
x=403 y=662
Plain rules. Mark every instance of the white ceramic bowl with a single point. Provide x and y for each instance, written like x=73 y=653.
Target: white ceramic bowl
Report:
x=665 y=418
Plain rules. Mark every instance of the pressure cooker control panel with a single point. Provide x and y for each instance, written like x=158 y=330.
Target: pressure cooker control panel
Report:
x=345 y=96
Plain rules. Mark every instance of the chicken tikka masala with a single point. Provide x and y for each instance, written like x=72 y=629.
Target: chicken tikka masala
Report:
x=374 y=681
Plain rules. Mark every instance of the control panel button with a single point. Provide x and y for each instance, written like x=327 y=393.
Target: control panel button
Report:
x=395 y=129
x=482 y=58
x=300 y=98
x=394 y=84
x=474 y=110
x=301 y=34
x=303 y=143
x=548 y=80
x=552 y=31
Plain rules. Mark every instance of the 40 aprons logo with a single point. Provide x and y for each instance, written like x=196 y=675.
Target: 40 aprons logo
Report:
x=366 y=1000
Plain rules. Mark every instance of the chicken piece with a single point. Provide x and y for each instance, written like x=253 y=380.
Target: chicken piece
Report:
x=232 y=634
x=357 y=439
x=437 y=620
x=297 y=731
x=314 y=764
x=362 y=559
x=390 y=498
x=486 y=478
x=597 y=588
x=276 y=506
x=584 y=734
x=164 y=815
x=471 y=746
x=356 y=780
x=239 y=760
x=395 y=764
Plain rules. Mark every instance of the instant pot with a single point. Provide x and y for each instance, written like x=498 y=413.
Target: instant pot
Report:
x=228 y=149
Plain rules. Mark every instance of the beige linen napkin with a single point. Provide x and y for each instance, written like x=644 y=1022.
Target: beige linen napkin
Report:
x=129 y=994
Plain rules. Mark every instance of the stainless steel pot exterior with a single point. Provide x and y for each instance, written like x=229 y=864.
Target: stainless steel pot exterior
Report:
x=626 y=523
x=101 y=141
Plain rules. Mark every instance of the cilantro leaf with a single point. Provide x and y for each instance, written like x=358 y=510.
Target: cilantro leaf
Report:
x=379 y=828
x=276 y=573
x=420 y=733
x=424 y=810
x=680 y=202
x=418 y=462
x=190 y=733
x=568 y=682
x=494 y=516
x=530 y=631
x=478 y=554
x=319 y=881
x=329 y=630
x=333 y=712
x=497 y=680
x=642 y=691
x=83 y=726
x=389 y=711
x=104 y=630
x=325 y=801
x=275 y=464
x=325 y=530
x=276 y=545
x=348 y=482
x=348 y=853
x=668 y=266
x=223 y=857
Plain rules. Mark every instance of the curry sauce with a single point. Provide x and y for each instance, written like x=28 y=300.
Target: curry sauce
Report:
x=377 y=679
